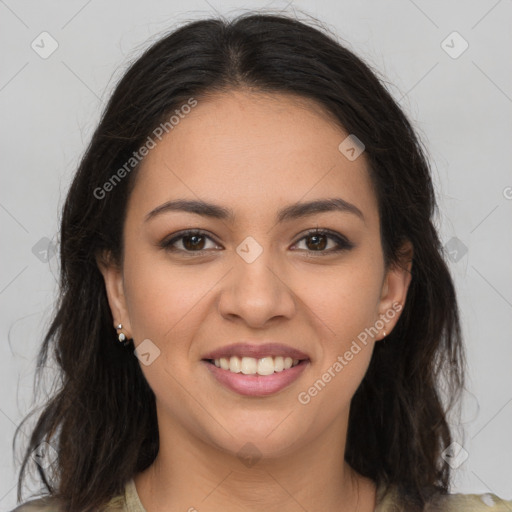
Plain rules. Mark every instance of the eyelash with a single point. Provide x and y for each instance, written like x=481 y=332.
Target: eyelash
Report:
x=342 y=243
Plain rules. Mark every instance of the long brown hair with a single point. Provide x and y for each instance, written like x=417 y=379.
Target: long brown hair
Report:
x=102 y=419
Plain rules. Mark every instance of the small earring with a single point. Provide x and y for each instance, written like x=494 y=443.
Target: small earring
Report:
x=121 y=337
x=384 y=334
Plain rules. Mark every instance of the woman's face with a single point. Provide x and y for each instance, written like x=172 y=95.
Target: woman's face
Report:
x=254 y=284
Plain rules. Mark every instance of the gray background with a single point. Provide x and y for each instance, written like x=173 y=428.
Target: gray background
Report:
x=460 y=106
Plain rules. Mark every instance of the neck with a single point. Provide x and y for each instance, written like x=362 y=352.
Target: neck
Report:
x=191 y=475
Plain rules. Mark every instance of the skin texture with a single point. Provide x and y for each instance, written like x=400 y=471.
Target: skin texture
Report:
x=255 y=154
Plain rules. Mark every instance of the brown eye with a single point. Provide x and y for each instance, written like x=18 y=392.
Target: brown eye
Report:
x=190 y=241
x=193 y=242
x=318 y=240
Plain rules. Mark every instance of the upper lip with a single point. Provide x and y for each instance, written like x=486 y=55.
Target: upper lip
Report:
x=257 y=351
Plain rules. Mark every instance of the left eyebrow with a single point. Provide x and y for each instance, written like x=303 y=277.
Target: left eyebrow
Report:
x=299 y=210
x=290 y=212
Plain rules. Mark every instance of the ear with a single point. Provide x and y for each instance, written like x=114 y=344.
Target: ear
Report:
x=394 y=288
x=114 y=285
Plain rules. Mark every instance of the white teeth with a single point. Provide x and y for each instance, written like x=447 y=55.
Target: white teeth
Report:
x=252 y=366
x=249 y=365
x=234 y=364
x=265 y=366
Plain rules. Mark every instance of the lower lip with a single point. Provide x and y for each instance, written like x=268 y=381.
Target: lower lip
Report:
x=256 y=385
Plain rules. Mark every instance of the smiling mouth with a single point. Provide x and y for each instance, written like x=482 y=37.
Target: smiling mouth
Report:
x=252 y=366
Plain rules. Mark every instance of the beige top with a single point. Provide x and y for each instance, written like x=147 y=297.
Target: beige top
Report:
x=130 y=502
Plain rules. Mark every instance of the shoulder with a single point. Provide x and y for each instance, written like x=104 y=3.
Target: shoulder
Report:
x=53 y=504
x=46 y=504
x=488 y=502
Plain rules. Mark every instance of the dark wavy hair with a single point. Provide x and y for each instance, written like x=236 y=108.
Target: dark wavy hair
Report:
x=102 y=417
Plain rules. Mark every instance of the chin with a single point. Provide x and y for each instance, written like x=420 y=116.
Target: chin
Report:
x=270 y=439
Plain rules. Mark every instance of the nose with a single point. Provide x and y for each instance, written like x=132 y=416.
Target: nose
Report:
x=256 y=291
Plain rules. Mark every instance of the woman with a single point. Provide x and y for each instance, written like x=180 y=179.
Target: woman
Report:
x=254 y=310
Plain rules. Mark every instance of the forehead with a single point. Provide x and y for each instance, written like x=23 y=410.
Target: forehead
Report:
x=253 y=151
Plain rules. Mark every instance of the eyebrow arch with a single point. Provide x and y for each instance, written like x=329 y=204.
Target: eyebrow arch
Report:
x=293 y=211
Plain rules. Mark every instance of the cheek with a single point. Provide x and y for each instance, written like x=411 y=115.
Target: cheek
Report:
x=344 y=306
x=165 y=299
x=344 y=299
x=162 y=298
